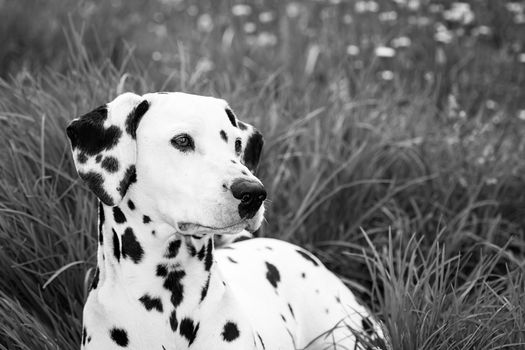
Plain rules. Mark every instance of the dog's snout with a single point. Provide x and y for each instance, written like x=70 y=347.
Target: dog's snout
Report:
x=251 y=194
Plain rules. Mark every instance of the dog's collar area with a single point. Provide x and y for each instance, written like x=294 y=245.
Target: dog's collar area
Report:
x=193 y=229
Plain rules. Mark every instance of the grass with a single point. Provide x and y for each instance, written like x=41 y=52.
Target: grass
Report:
x=409 y=185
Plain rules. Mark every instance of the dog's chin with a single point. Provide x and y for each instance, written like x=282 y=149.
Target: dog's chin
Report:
x=192 y=228
x=189 y=228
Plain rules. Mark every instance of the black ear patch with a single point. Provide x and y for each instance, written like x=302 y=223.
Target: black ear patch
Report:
x=89 y=135
x=133 y=119
x=231 y=117
x=252 y=152
x=95 y=182
x=130 y=177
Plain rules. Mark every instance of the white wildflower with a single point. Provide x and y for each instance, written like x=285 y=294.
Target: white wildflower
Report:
x=385 y=51
x=266 y=39
x=293 y=9
x=266 y=17
x=460 y=12
x=413 y=5
x=249 y=27
x=366 y=6
x=352 y=50
x=348 y=19
x=156 y=56
x=402 y=41
x=205 y=23
x=387 y=75
x=443 y=35
x=388 y=16
x=241 y=10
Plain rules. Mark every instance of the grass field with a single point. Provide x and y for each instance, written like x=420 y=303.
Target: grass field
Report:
x=394 y=148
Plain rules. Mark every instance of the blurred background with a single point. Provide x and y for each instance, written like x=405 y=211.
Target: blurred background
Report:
x=394 y=147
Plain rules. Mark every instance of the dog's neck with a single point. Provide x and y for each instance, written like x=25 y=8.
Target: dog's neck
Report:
x=152 y=264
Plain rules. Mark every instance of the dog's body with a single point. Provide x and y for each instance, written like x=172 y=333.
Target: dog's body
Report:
x=159 y=283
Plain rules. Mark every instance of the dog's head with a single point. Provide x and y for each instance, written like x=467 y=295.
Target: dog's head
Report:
x=185 y=158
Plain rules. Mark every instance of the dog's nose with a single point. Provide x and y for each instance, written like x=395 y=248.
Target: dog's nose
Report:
x=251 y=195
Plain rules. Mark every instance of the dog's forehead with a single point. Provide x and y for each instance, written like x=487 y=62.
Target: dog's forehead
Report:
x=177 y=107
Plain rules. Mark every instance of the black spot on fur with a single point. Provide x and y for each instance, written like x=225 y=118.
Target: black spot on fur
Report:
x=283 y=318
x=201 y=253
x=82 y=158
x=244 y=172
x=242 y=126
x=131 y=205
x=231 y=117
x=151 y=303
x=98 y=158
x=272 y=274
x=260 y=339
x=204 y=291
x=84 y=335
x=191 y=250
x=230 y=332
x=188 y=329
x=119 y=336
x=110 y=164
x=303 y=275
x=308 y=257
x=173 y=321
x=118 y=215
x=146 y=219
x=95 y=182
x=252 y=152
x=133 y=119
x=173 y=249
x=224 y=136
x=208 y=260
x=232 y=260
x=130 y=176
x=89 y=135
x=174 y=285
x=337 y=299
x=162 y=270
x=131 y=247
x=101 y=219
x=291 y=310
x=116 y=246
x=238 y=146
x=240 y=239
x=94 y=283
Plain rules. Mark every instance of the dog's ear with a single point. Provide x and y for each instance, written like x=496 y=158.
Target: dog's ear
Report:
x=253 y=149
x=103 y=143
x=252 y=142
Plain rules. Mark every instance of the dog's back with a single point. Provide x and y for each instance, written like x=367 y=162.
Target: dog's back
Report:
x=290 y=297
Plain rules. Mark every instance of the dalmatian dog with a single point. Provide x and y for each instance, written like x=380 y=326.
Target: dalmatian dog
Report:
x=171 y=170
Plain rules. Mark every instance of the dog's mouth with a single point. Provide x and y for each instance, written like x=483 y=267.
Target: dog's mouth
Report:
x=189 y=228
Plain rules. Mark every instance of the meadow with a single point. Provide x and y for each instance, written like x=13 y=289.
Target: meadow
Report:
x=394 y=148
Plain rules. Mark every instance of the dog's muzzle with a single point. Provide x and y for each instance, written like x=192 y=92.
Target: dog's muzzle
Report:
x=251 y=194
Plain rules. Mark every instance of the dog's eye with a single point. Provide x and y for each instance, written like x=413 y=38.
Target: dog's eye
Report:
x=183 y=143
